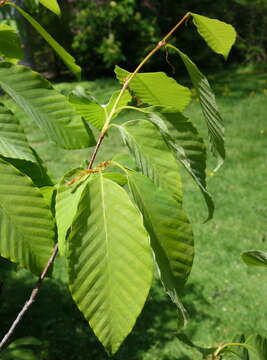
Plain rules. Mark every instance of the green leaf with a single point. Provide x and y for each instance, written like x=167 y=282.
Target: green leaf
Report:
x=118 y=178
x=37 y=171
x=255 y=258
x=91 y=111
x=126 y=160
x=48 y=108
x=95 y=113
x=26 y=224
x=67 y=201
x=62 y=53
x=170 y=233
x=110 y=262
x=258 y=345
x=189 y=148
x=10 y=47
x=49 y=194
x=209 y=107
x=13 y=141
x=156 y=89
x=124 y=100
x=218 y=35
x=152 y=155
x=52 y=5
x=25 y=348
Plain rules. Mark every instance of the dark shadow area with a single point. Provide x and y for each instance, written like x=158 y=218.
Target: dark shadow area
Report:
x=65 y=334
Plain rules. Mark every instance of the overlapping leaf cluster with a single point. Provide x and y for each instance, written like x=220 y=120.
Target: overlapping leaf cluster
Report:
x=116 y=221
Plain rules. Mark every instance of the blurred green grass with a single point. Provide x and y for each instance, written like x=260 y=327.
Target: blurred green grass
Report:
x=223 y=296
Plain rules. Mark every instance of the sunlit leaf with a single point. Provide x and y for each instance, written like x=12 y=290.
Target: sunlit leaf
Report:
x=68 y=197
x=37 y=170
x=124 y=100
x=170 y=232
x=13 y=141
x=156 y=89
x=218 y=35
x=10 y=47
x=91 y=111
x=209 y=107
x=152 y=155
x=44 y=105
x=49 y=194
x=126 y=160
x=189 y=148
x=110 y=267
x=52 y=5
x=257 y=347
x=116 y=177
x=26 y=224
x=95 y=113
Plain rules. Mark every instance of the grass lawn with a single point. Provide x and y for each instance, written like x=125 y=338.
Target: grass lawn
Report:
x=223 y=296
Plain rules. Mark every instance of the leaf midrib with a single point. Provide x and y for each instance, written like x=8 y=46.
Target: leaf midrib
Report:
x=102 y=194
x=137 y=78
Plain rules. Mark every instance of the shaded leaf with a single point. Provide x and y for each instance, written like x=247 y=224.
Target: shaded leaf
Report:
x=209 y=107
x=193 y=348
x=126 y=160
x=26 y=224
x=91 y=111
x=62 y=53
x=218 y=35
x=52 y=5
x=258 y=347
x=255 y=258
x=103 y=256
x=67 y=201
x=241 y=351
x=170 y=233
x=25 y=348
x=152 y=155
x=156 y=89
x=95 y=113
x=118 y=178
x=49 y=194
x=10 y=47
x=189 y=148
x=48 y=108
x=13 y=141
x=37 y=171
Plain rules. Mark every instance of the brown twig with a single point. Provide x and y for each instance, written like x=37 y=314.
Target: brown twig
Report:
x=93 y=156
x=3 y=2
x=31 y=300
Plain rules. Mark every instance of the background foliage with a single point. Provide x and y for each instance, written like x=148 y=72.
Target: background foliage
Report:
x=100 y=33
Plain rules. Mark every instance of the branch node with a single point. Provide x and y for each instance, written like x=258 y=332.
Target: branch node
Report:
x=161 y=44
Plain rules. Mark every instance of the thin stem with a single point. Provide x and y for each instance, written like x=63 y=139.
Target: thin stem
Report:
x=31 y=300
x=161 y=44
x=128 y=107
x=99 y=142
x=38 y=285
x=51 y=260
x=222 y=347
x=186 y=17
